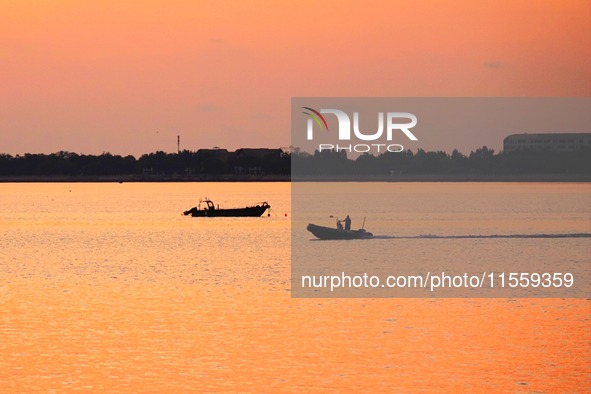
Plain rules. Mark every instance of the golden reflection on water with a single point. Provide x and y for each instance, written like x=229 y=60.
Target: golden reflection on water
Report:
x=110 y=289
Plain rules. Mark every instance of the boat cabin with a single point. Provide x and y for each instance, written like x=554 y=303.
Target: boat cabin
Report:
x=210 y=206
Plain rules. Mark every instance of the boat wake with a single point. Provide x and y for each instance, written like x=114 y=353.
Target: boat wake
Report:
x=491 y=236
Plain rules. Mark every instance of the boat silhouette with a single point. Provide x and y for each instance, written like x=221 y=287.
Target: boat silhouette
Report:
x=329 y=233
x=210 y=210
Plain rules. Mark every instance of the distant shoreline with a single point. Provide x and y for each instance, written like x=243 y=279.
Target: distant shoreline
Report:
x=306 y=178
x=140 y=178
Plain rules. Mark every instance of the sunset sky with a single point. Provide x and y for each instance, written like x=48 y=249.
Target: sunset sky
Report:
x=127 y=77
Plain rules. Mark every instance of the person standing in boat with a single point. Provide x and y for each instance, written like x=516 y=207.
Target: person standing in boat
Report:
x=347 y=223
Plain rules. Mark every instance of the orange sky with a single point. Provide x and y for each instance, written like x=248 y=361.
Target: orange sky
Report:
x=127 y=77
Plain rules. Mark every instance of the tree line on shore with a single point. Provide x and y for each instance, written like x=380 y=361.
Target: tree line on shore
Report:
x=482 y=161
x=283 y=162
x=186 y=162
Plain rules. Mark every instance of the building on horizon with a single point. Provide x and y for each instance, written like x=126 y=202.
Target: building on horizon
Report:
x=547 y=142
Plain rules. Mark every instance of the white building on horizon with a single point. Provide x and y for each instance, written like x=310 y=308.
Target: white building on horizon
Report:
x=548 y=142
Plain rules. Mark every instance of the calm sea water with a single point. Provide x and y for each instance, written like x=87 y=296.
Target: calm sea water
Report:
x=455 y=228
x=107 y=287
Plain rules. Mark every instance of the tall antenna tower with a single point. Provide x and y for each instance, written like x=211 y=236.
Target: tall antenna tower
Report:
x=178 y=144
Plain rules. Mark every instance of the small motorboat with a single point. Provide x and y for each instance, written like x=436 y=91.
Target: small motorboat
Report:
x=210 y=210
x=329 y=233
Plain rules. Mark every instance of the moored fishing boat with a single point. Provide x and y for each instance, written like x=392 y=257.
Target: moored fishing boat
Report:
x=210 y=210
